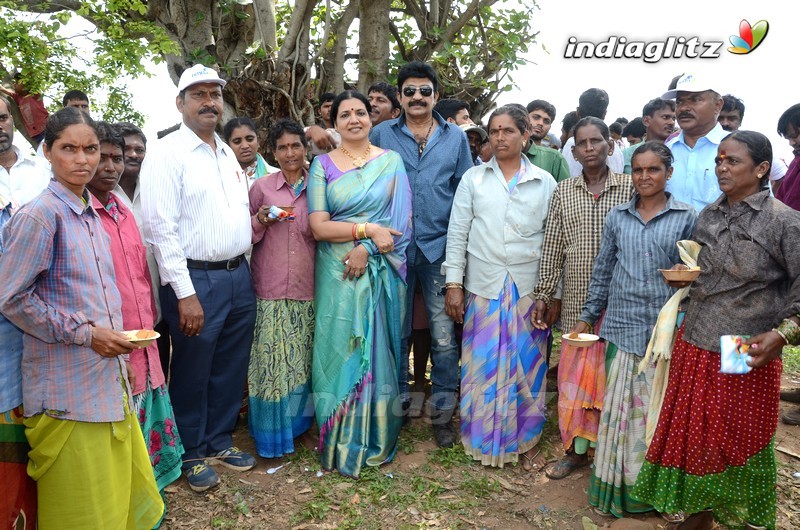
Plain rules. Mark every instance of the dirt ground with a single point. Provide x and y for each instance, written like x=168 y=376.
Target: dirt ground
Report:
x=425 y=487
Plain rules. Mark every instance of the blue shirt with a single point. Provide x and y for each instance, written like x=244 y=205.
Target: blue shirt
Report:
x=433 y=178
x=10 y=345
x=625 y=278
x=694 y=180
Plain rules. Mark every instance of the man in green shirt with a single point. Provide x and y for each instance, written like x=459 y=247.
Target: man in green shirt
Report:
x=658 y=116
x=541 y=115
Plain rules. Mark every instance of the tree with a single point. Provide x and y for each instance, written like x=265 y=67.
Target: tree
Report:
x=273 y=69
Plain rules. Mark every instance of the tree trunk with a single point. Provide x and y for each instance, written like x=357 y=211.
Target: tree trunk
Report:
x=373 y=42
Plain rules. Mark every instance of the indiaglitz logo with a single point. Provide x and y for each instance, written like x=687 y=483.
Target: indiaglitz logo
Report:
x=671 y=47
x=749 y=37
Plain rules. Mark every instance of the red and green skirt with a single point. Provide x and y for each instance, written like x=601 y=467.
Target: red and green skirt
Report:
x=713 y=446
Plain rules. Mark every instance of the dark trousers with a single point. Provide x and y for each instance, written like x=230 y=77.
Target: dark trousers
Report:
x=208 y=372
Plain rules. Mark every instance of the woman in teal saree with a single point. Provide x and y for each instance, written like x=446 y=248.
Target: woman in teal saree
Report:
x=360 y=214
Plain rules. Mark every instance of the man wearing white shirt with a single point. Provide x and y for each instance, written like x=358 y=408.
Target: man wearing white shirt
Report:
x=22 y=177
x=196 y=215
x=593 y=102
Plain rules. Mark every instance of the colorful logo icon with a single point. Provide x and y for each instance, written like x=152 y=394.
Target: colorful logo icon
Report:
x=749 y=37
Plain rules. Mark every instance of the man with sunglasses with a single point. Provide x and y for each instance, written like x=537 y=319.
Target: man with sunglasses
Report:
x=436 y=154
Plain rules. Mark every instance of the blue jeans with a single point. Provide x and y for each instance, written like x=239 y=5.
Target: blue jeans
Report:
x=445 y=373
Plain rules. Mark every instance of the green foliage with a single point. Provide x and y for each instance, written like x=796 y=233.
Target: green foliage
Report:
x=106 y=41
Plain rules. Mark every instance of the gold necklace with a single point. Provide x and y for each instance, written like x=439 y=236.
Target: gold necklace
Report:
x=358 y=161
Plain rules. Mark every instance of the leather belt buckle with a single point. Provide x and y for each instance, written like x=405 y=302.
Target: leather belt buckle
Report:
x=233 y=264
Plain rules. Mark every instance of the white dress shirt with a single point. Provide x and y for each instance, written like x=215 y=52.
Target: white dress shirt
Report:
x=195 y=205
x=616 y=160
x=28 y=177
x=494 y=233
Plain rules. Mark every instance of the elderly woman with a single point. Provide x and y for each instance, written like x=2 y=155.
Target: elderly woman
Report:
x=88 y=456
x=571 y=242
x=494 y=246
x=712 y=454
x=279 y=377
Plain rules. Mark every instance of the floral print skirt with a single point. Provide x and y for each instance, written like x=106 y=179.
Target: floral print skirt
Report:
x=153 y=409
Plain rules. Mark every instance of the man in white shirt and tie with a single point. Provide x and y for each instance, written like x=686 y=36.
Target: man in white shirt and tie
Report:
x=196 y=214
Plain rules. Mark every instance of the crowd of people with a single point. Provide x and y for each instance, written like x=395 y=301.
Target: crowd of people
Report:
x=302 y=288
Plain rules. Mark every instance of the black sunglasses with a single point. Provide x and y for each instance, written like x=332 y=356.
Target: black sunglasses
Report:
x=426 y=91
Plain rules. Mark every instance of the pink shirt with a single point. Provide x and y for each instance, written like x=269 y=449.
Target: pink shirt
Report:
x=283 y=253
x=133 y=281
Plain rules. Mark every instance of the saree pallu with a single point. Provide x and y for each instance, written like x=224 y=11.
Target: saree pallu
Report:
x=359 y=324
x=17 y=489
x=621 y=443
x=153 y=409
x=502 y=378
x=92 y=475
x=581 y=387
x=714 y=443
x=279 y=376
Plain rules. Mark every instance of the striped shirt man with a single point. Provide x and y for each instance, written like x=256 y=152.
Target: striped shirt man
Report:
x=572 y=239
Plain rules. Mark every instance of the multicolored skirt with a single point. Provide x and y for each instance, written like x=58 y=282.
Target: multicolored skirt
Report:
x=581 y=387
x=279 y=377
x=153 y=408
x=17 y=490
x=621 y=443
x=713 y=446
x=502 y=378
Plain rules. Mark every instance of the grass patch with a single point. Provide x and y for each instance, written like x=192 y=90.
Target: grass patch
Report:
x=447 y=458
x=479 y=487
x=411 y=435
x=791 y=359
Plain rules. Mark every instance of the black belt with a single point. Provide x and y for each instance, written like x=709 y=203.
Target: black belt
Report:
x=228 y=264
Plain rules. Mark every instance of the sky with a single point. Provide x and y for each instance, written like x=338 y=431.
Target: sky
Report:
x=757 y=78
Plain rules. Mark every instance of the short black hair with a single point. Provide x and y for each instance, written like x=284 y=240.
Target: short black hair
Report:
x=593 y=103
x=129 y=129
x=790 y=116
x=108 y=134
x=731 y=103
x=286 y=126
x=659 y=149
x=635 y=128
x=327 y=96
x=592 y=121
x=387 y=90
x=233 y=123
x=615 y=128
x=546 y=106
x=448 y=108
x=570 y=120
x=622 y=119
x=417 y=69
x=654 y=105
x=74 y=95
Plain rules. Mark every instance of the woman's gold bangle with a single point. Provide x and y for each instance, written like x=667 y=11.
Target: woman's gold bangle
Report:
x=453 y=285
x=362 y=231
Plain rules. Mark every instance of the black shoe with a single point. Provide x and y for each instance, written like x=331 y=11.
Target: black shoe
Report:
x=406 y=417
x=792 y=417
x=443 y=431
x=792 y=396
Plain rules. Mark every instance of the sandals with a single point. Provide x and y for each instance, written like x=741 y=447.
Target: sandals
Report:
x=564 y=467
x=528 y=462
x=673 y=518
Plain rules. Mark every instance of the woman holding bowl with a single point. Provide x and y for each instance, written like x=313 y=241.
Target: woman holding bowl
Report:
x=713 y=454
